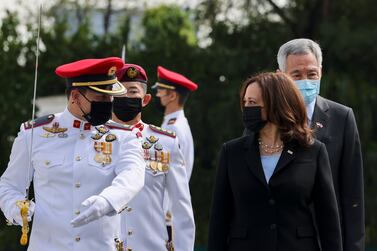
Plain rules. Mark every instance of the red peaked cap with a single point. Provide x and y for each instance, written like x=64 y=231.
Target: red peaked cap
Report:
x=171 y=78
x=97 y=74
x=88 y=67
x=131 y=73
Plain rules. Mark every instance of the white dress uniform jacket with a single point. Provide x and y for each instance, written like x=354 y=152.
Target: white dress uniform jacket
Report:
x=143 y=224
x=177 y=122
x=65 y=173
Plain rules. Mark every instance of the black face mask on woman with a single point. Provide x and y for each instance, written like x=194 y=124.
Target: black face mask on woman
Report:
x=100 y=112
x=126 y=109
x=252 y=118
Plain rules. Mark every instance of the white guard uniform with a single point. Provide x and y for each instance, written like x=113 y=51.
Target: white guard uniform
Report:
x=143 y=224
x=177 y=122
x=66 y=171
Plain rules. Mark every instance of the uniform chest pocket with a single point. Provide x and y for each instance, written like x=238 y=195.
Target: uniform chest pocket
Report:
x=47 y=166
x=154 y=173
x=102 y=162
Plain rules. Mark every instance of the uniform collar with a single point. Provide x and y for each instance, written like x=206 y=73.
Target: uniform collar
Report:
x=177 y=114
x=69 y=120
x=140 y=125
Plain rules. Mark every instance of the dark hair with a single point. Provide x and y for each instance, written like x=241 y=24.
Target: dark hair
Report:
x=183 y=94
x=284 y=105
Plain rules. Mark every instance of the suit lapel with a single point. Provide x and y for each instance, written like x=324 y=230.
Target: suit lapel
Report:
x=287 y=155
x=253 y=159
x=320 y=118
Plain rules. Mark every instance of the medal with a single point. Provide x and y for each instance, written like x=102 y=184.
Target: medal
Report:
x=146 y=154
x=159 y=166
x=98 y=146
x=107 y=150
x=162 y=159
x=153 y=165
x=99 y=158
x=96 y=136
x=106 y=160
x=110 y=137
x=102 y=129
x=165 y=167
x=152 y=139
x=158 y=147
x=146 y=145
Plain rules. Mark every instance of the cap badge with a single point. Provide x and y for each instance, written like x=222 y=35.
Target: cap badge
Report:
x=112 y=71
x=132 y=72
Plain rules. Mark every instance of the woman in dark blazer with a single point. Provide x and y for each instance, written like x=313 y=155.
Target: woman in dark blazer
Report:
x=274 y=189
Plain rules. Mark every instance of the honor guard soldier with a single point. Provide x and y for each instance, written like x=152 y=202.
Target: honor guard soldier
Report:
x=84 y=171
x=173 y=90
x=143 y=223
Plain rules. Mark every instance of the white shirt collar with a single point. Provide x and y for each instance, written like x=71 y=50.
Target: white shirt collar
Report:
x=310 y=110
x=177 y=114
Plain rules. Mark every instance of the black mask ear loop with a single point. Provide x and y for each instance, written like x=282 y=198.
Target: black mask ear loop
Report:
x=85 y=115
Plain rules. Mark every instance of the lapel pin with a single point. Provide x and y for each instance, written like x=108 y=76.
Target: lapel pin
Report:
x=290 y=152
x=319 y=125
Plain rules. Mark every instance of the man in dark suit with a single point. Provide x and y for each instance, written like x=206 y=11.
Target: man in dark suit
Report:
x=334 y=124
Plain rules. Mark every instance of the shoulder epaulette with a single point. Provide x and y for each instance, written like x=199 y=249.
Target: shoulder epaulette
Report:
x=162 y=131
x=114 y=125
x=39 y=121
x=172 y=121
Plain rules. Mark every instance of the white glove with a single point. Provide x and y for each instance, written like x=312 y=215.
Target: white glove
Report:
x=16 y=214
x=98 y=206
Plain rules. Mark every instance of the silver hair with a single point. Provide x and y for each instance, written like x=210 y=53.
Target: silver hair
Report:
x=145 y=87
x=301 y=46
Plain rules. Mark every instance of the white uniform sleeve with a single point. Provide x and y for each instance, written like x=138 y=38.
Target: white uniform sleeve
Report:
x=180 y=202
x=14 y=180
x=130 y=172
x=184 y=146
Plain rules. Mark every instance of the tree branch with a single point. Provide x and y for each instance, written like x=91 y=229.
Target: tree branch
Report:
x=283 y=16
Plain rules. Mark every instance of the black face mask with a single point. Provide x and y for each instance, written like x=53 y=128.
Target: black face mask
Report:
x=158 y=105
x=252 y=118
x=100 y=112
x=126 y=109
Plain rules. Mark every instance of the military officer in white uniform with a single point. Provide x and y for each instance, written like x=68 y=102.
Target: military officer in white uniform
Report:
x=84 y=173
x=173 y=90
x=144 y=226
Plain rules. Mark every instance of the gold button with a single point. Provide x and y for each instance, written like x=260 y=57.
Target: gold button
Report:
x=78 y=158
x=78 y=184
x=47 y=162
x=77 y=212
x=130 y=232
x=355 y=205
x=77 y=238
x=129 y=209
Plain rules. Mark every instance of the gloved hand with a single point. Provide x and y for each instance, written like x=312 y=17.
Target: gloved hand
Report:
x=98 y=206
x=16 y=214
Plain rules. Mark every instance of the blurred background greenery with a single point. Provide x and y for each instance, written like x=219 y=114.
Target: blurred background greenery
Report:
x=216 y=43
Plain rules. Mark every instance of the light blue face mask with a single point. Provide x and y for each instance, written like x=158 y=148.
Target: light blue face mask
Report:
x=309 y=89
